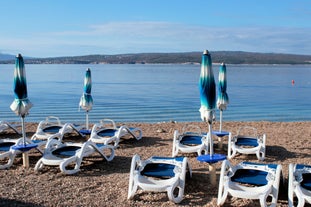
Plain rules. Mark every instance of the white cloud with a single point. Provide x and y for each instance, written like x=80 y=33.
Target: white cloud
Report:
x=135 y=37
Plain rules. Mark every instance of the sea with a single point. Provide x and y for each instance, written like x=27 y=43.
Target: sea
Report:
x=159 y=92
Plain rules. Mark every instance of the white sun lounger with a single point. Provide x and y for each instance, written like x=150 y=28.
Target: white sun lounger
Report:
x=299 y=184
x=250 y=181
x=107 y=132
x=190 y=140
x=250 y=143
x=52 y=125
x=159 y=174
x=69 y=156
x=4 y=126
x=8 y=154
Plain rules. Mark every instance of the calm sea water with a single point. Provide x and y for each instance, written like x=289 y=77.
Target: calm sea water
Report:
x=156 y=93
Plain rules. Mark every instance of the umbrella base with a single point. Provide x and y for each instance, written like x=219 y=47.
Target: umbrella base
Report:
x=85 y=131
x=211 y=160
x=24 y=147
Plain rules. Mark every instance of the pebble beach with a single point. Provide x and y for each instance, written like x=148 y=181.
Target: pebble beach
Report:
x=102 y=183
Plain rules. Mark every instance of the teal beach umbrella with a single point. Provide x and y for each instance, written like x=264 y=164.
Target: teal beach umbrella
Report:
x=208 y=104
x=86 y=101
x=21 y=104
x=222 y=98
x=207 y=88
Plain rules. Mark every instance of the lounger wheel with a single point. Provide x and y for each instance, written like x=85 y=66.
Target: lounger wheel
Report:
x=10 y=158
x=203 y=150
x=136 y=133
x=39 y=165
x=132 y=186
x=175 y=193
x=110 y=155
x=69 y=161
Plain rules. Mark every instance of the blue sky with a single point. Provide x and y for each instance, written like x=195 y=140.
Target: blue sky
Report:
x=51 y=28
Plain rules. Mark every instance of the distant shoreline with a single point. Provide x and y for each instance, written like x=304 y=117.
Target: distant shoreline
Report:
x=228 y=57
x=214 y=64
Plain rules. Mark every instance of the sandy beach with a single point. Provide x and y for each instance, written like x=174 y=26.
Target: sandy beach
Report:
x=101 y=183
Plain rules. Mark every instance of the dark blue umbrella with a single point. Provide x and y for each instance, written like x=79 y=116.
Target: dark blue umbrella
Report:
x=21 y=104
x=86 y=101
x=222 y=99
x=207 y=93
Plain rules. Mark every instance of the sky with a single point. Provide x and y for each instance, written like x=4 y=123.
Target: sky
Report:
x=55 y=28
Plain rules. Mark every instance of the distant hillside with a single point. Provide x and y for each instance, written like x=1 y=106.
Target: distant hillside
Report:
x=228 y=57
x=4 y=57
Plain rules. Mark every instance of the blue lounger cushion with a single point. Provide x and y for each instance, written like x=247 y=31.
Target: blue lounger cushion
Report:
x=306 y=177
x=191 y=139
x=66 y=151
x=107 y=132
x=245 y=141
x=52 y=129
x=5 y=146
x=160 y=170
x=251 y=176
x=306 y=181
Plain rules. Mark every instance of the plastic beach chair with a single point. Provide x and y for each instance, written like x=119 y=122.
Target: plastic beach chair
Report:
x=8 y=152
x=4 y=126
x=299 y=184
x=107 y=132
x=190 y=140
x=247 y=142
x=159 y=174
x=52 y=125
x=69 y=156
x=250 y=181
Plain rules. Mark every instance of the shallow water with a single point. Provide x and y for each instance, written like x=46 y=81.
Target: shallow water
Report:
x=156 y=93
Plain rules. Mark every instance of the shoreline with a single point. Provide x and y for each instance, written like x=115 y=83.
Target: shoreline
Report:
x=101 y=183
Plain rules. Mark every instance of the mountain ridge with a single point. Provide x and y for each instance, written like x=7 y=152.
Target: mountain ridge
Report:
x=228 y=57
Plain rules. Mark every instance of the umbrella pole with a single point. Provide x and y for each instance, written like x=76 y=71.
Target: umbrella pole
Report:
x=211 y=151
x=25 y=154
x=87 y=120
x=23 y=130
x=212 y=170
x=220 y=118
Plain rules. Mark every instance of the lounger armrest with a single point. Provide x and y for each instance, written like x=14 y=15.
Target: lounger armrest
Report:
x=247 y=129
x=193 y=129
x=53 y=119
x=104 y=122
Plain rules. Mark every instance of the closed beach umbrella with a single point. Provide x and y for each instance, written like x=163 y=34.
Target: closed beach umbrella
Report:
x=86 y=101
x=208 y=104
x=21 y=103
x=207 y=93
x=222 y=98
